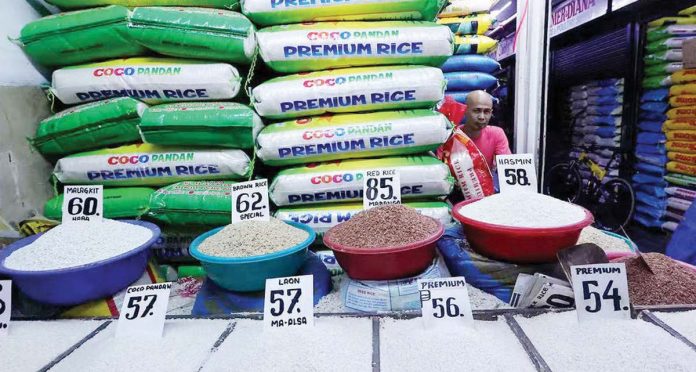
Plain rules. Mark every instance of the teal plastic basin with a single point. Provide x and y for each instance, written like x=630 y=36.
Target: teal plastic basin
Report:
x=247 y=274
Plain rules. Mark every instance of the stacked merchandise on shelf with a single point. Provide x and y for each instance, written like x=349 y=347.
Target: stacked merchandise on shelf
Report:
x=152 y=88
x=354 y=96
x=664 y=166
x=596 y=108
x=470 y=68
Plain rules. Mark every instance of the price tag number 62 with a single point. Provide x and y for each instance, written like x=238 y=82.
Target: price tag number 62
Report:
x=244 y=204
x=135 y=302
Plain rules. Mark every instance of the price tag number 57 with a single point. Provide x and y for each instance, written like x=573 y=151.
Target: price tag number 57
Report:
x=278 y=298
x=135 y=302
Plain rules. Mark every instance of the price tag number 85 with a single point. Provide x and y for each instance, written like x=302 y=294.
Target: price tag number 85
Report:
x=244 y=204
x=589 y=294
x=277 y=298
x=384 y=183
x=135 y=302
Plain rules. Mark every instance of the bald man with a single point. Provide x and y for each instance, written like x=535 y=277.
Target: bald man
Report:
x=491 y=141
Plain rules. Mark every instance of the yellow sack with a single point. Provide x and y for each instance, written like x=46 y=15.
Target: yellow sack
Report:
x=474 y=44
x=682 y=112
x=683 y=100
x=666 y=21
x=475 y=24
x=684 y=76
x=681 y=135
x=685 y=147
x=682 y=158
x=679 y=124
x=111 y=306
x=688 y=11
x=680 y=89
x=677 y=167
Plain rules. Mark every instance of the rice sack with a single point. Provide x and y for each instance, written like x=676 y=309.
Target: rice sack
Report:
x=681 y=146
x=679 y=124
x=683 y=100
x=349 y=90
x=670 y=55
x=321 y=46
x=663 y=69
x=475 y=24
x=474 y=44
x=76 y=4
x=351 y=136
x=681 y=168
x=323 y=217
x=89 y=126
x=210 y=124
x=471 y=63
x=682 y=158
x=681 y=135
x=683 y=112
x=151 y=80
x=342 y=180
x=119 y=202
x=458 y=8
x=670 y=31
x=468 y=81
x=681 y=89
x=79 y=37
x=193 y=202
x=194 y=33
x=276 y=12
x=144 y=164
x=684 y=77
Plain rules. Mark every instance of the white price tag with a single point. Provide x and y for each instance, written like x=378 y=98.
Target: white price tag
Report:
x=83 y=203
x=5 y=305
x=381 y=187
x=289 y=302
x=445 y=302
x=250 y=201
x=143 y=311
x=601 y=291
x=516 y=173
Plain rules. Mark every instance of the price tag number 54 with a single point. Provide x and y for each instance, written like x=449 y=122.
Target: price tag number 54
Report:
x=588 y=292
x=138 y=303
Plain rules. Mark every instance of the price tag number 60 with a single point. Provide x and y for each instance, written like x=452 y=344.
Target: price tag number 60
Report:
x=135 y=302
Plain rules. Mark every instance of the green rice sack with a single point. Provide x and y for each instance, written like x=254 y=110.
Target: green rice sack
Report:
x=119 y=202
x=657 y=82
x=194 y=33
x=322 y=217
x=193 y=202
x=663 y=69
x=670 y=55
x=659 y=33
x=662 y=45
x=342 y=180
x=77 y=4
x=349 y=136
x=79 y=37
x=151 y=80
x=90 y=126
x=321 y=46
x=277 y=12
x=150 y=165
x=210 y=124
x=349 y=90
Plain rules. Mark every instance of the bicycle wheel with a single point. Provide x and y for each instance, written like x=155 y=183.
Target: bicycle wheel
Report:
x=563 y=182
x=616 y=205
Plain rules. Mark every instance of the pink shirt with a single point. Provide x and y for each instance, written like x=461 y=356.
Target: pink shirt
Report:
x=492 y=142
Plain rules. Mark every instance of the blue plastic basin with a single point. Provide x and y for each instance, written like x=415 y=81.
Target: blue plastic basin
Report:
x=80 y=284
x=247 y=274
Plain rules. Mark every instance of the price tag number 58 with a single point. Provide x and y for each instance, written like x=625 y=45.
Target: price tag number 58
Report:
x=516 y=177
x=135 y=302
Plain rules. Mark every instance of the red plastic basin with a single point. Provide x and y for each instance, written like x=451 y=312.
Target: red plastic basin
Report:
x=519 y=244
x=385 y=263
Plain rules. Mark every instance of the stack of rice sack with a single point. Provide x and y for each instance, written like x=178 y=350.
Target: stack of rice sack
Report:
x=662 y=158
x=152 y=87
x=469 y=69
x=596 y=108
x=355 y=96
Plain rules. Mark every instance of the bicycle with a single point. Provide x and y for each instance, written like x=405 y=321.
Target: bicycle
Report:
x=612 y=202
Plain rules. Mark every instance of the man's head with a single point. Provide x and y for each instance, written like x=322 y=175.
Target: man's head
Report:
x=479 y=109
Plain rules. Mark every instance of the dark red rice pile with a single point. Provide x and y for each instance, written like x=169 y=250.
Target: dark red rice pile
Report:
x=672 y=283
x=387 y=226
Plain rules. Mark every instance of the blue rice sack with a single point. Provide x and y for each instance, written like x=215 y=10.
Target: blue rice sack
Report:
x=471 y=63
x=614 y=109
x=603 y=120
x=648 y=138
x=468 y=81
x=653 y=190
x=654 y=159
x=651 y=149
x=656 y=170
x=605 y=100
x=650 y=126
x=605 y=91
x=655 y=95
x=647 y=220
x=653 y=116
x=649 y=179
x=656 y=107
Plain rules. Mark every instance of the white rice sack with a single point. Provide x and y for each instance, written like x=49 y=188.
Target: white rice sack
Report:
x=349 y=136
x=349 y=90
x=327 y=45
x=151 y=80
x=338 y=181
x=145 y=165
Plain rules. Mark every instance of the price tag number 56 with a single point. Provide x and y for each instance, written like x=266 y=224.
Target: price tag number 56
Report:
x=446 y=307
x=135 y=302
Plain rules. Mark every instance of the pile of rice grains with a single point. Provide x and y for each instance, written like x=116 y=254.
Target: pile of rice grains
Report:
x=384 y=227
x=253 y=238
x=671 y=284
